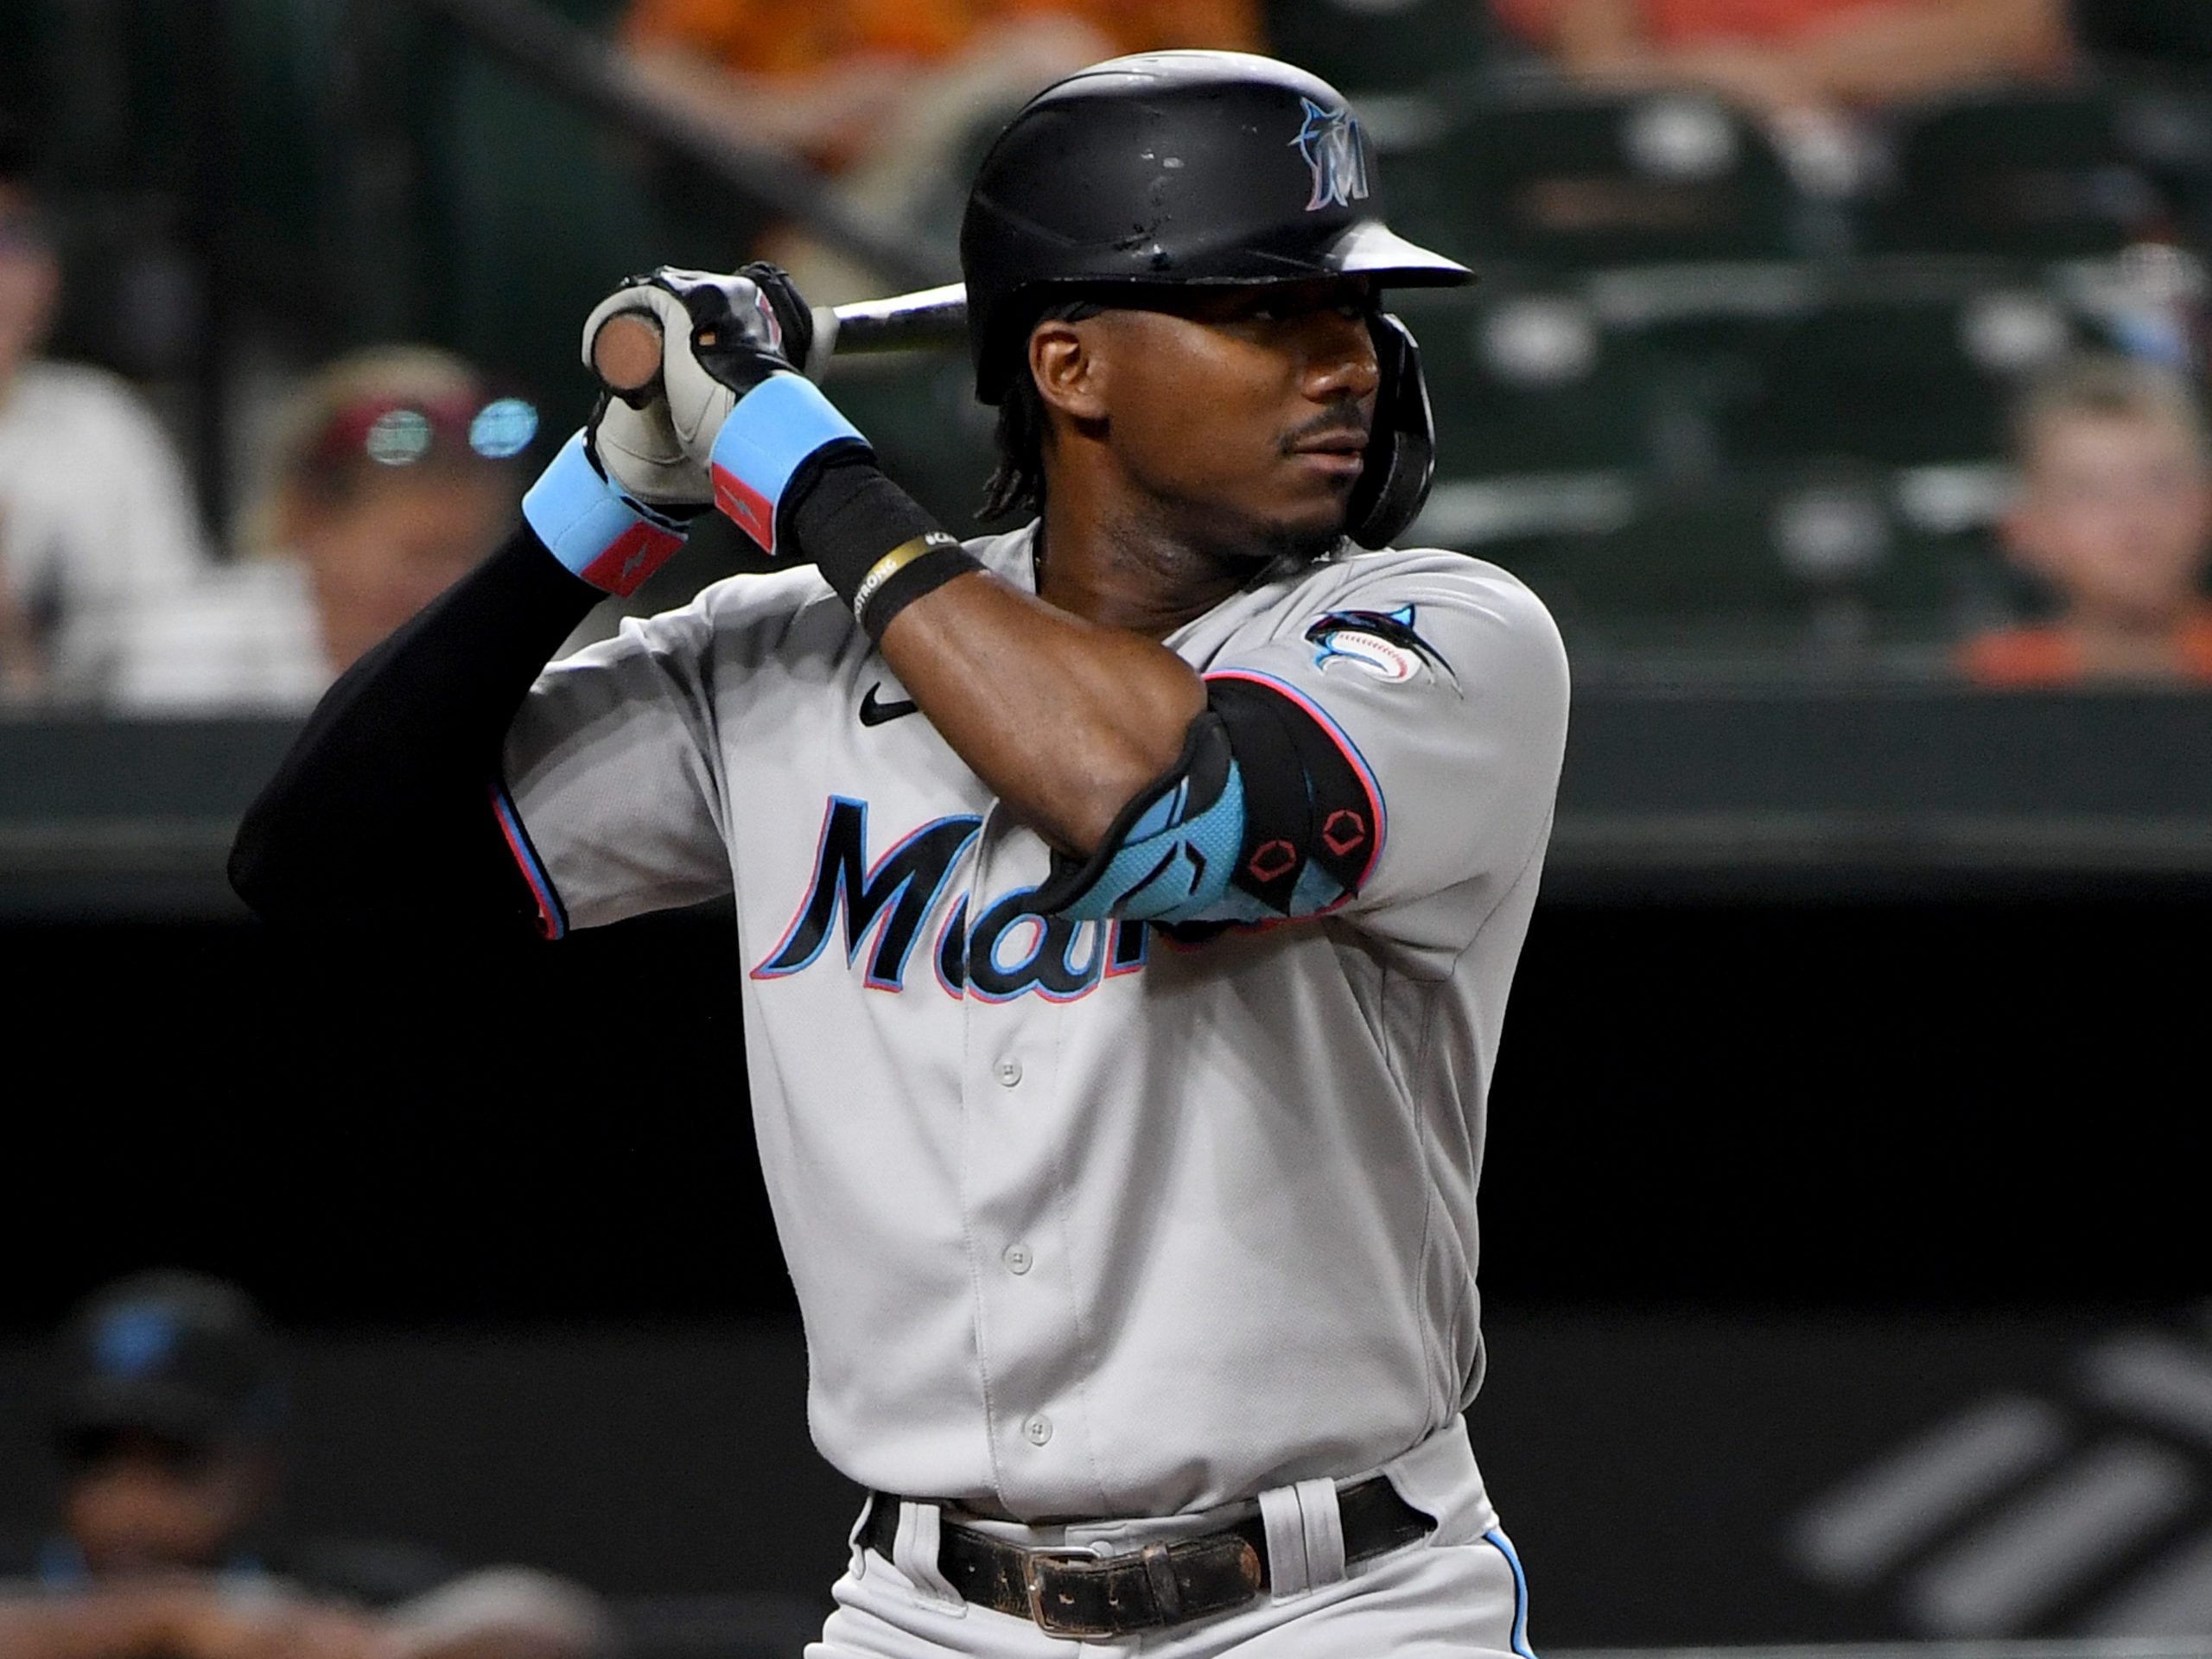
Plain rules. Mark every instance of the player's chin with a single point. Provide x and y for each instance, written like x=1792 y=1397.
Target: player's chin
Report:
x=1324 y=497
x=1305 y=536
x=1280 y=514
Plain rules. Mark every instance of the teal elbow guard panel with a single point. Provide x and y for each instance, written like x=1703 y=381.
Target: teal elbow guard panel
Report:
x=1266 y=816
x=1170 y=855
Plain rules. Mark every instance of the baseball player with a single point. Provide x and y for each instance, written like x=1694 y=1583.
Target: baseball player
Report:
x=1128 y=901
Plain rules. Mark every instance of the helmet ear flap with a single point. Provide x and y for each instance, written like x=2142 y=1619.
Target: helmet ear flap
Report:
x=1401 y=445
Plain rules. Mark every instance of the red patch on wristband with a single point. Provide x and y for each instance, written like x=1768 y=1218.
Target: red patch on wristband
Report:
x=745 y=506
x=630 y=558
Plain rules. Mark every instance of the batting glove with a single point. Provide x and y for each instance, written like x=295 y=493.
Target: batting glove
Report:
x=638 y=449
x=735 y=402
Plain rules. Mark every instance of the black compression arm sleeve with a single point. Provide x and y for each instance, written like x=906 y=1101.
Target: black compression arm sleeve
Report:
x=381 y=815
x=848 y=515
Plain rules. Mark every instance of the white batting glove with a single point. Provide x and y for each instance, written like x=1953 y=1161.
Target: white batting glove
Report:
x=692 y=404
x=641 y=449
x=736 y=402
x=759 y=308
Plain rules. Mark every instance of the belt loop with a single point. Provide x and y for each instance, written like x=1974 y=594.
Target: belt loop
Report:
x=1324 y=1526
x=1160 y=1572
x=858 y=1538
x=1287 y=1577
x=914 y=1553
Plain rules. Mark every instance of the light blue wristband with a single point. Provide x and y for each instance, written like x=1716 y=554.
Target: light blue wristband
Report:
x=592 y=528
x=765 y=439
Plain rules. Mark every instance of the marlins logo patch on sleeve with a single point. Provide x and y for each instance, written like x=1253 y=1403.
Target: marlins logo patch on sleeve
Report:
x=1381 y=643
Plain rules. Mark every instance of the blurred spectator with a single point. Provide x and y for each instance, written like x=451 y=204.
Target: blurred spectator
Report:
x=95 y=513
x=1786 y=57
x=886 y=92
x=169 y=1405
x=2114 y=516
x=394 y=475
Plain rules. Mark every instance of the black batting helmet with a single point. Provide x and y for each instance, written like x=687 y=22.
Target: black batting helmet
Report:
x=1177 y=168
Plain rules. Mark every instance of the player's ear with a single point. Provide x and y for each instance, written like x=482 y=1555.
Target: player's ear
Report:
x=1067 y=370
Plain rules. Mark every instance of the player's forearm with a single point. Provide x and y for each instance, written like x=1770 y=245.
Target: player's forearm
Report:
x=1066 y=720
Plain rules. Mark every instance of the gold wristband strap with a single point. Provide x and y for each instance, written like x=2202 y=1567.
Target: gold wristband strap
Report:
x=892 y=562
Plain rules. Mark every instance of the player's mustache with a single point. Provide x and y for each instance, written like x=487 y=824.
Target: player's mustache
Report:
x=1344 y=422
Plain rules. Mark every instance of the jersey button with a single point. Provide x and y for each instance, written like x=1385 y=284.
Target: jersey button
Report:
x=1009 y=1072
x=1017 y=1258
x=1038 y=1429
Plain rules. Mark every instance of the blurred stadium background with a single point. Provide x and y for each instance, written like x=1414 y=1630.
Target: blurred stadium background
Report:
x=1846 y=1205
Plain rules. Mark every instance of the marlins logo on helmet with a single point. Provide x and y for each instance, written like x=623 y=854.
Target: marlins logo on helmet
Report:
x=1330 y=141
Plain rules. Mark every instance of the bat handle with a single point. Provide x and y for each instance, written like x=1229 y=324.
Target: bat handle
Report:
x=626 y=352
x=625 y=356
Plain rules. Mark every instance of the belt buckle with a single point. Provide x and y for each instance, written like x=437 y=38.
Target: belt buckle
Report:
x=1032 y=1581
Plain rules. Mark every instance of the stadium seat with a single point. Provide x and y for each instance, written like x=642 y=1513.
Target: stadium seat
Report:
x=1559 y=179
x=2021 y=174
x=1904 y=366
x=1367 y=46
x=1755 y=561
x=1752 y=461
x=1524 y=380
x=1707 y=556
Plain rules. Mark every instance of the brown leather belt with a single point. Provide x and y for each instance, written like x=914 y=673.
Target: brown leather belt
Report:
x=1074 y=1593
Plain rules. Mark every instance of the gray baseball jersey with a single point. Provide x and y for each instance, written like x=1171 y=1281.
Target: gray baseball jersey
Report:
x=1085 y=1219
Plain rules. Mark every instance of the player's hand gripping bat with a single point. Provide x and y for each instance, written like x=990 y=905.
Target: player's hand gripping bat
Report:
x=625 y=352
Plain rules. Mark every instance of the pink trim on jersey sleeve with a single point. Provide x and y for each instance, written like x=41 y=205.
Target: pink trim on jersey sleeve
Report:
x=552 y=921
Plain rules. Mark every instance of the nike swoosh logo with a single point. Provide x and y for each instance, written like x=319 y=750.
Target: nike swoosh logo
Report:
x=874 y=714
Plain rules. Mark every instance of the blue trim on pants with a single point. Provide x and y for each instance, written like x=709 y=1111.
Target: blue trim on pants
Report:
x=1504 y=1546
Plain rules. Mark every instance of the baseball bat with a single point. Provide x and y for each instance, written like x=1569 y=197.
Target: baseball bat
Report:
x=625 y=352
